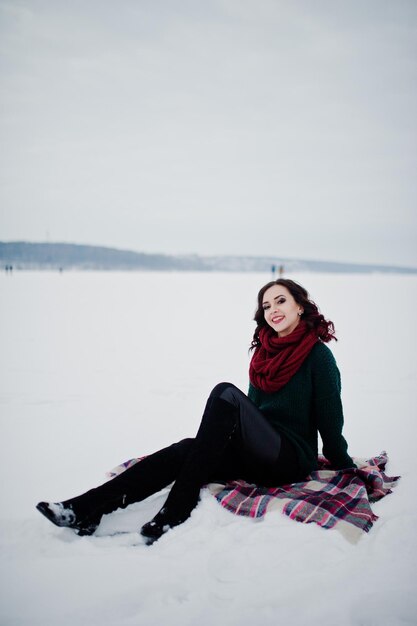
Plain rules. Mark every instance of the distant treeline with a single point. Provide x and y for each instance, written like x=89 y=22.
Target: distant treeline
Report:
x=21 y=255
x=25 y=255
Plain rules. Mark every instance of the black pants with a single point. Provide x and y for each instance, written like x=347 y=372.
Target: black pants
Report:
x=234 y=440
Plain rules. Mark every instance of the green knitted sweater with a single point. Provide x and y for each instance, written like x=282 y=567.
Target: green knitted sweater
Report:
x=309 y=404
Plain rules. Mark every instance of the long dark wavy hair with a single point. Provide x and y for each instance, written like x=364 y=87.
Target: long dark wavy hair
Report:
x=311 y=315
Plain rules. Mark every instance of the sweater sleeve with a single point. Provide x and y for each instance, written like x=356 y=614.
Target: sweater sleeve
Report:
x=328 y=408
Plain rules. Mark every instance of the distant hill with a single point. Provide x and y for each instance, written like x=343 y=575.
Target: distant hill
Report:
x=23 y=255
x=68 y=256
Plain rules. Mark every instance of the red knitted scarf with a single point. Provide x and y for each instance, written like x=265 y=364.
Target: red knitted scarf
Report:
x=277 y=359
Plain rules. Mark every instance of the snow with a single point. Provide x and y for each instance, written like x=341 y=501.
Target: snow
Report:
x=97 y=368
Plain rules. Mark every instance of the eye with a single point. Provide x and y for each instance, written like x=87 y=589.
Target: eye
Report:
x=265 y=307
x=281 y=301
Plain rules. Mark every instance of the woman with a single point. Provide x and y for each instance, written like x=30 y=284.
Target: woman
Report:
x=269 y=437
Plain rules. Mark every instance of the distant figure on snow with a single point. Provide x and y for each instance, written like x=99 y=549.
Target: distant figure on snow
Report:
x=268 y=437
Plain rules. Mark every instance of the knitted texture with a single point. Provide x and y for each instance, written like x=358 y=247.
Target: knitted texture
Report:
x=309 y=403
x=277 y=359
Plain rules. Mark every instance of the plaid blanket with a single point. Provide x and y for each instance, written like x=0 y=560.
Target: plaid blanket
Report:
x=330 y=498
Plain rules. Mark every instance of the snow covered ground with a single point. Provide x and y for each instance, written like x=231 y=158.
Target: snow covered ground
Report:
x=96 y=368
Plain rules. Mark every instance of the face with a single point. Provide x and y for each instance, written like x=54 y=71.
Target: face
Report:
x=281 y=310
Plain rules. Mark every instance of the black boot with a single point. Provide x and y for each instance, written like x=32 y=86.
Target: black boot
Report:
x=65 y=517
x=154 y=529
x=164 y=520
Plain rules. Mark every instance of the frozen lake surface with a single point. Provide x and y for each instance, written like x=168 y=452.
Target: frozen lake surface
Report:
x=97 y=368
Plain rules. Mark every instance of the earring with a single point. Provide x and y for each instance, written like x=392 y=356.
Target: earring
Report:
x=300 y=313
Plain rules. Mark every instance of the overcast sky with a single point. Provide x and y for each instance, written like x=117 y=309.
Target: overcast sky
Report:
x=254 y=127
